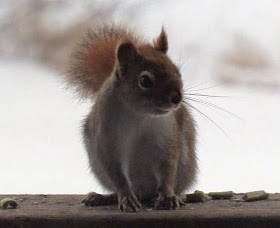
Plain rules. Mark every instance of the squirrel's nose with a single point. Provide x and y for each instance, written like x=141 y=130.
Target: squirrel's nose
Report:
x=176 y=98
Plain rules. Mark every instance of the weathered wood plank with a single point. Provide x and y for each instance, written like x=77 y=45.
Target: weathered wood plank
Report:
x=67 y=211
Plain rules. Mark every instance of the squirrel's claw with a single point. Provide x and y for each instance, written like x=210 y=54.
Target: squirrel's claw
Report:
x=168 y=202
x=129 y=201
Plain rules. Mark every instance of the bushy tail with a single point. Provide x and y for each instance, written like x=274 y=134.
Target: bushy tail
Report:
x=93 y=60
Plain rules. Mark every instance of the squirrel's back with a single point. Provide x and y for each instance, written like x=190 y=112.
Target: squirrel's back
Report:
x=94 y=59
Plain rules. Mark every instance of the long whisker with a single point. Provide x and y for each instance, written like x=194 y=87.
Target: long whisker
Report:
x=194 y=86
x=204 y=88
x=207 y=95
x=212 y=105
x=205 y=116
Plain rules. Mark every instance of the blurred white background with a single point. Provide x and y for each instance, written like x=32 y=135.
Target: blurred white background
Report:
x=226 y=48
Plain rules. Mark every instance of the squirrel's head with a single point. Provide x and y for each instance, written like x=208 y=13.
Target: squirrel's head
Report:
x=148 y=80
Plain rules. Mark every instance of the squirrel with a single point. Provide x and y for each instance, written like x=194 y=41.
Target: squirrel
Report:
x=139 y=135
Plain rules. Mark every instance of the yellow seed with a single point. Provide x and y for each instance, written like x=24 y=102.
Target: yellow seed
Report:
x=256 y=195
x=221 y=195
x=8 y=203
x=197 y=196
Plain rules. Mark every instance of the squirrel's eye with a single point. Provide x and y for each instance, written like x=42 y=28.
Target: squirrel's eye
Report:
x=146 y=82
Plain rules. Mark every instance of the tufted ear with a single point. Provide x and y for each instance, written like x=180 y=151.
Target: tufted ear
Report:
x=126 y=52
x=161 y=43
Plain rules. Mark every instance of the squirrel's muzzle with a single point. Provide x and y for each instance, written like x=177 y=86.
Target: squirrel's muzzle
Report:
x=176 y=97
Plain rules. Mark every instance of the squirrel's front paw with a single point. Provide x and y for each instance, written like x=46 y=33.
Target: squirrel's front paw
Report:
x=128 y=200
x=164 y=202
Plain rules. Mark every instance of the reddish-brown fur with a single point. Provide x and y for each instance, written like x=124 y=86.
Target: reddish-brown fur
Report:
x=92 y=63
x=99 y=62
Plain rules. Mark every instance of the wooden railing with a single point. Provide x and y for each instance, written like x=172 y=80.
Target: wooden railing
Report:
x=67 y=211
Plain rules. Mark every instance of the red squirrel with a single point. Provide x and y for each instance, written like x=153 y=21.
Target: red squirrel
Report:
x=139 y=135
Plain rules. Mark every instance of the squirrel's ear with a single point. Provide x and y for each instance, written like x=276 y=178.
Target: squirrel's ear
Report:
x=161 y=43
x=126 y=52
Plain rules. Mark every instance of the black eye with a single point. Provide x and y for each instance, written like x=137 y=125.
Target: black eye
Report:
x=146 y=82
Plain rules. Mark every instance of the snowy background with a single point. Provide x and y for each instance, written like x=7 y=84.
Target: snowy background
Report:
x=226 y=48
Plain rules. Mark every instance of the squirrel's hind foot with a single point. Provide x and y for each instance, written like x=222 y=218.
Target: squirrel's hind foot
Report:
x=95 y=199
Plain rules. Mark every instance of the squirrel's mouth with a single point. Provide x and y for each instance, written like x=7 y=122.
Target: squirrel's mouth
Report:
x=159 y=110
x=162 y=111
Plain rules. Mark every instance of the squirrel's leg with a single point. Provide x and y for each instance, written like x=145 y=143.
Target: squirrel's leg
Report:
x=125 y=194
x=167 y=199
x=95 y=199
